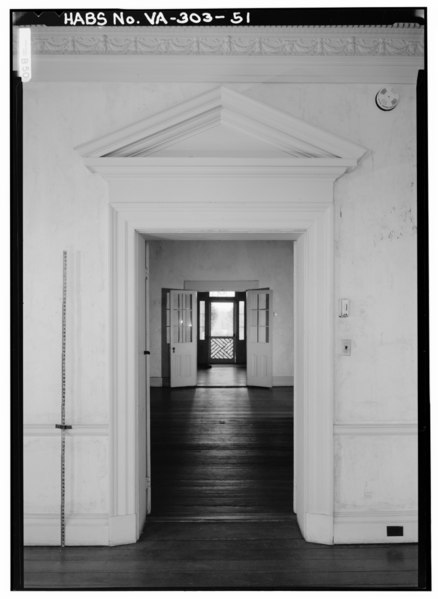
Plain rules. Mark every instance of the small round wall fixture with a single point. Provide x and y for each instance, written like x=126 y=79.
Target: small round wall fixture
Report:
x=387 y=98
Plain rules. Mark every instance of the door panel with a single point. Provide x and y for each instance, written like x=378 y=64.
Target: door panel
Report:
x=229 y=349
x=183 y=341
x=203 y=329
x=143 y=437
x=148 y=386
x=240 y=328
x=259 y=337
x=222 y=331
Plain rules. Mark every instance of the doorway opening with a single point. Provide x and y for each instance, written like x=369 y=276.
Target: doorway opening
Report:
x=221 y=339
x=222 y=444
x=217 y=335
x=220 y=332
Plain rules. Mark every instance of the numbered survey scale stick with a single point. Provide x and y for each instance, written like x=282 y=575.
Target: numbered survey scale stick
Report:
x=63 y=426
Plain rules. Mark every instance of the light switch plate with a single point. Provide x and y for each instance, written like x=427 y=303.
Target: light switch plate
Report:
x=344 y=308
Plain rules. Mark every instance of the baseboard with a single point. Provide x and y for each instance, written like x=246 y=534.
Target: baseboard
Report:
x=283 y=381
x=371 y=527
x=122 y=530
x=80 y=529
x=317 y=528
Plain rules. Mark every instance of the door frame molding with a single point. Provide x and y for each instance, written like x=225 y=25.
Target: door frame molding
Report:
x=310 y=224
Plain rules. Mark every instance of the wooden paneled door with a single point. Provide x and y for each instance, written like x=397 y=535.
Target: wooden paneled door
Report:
x=222 y=342
x=259 y=337
x=221 y=328
x=182 y=318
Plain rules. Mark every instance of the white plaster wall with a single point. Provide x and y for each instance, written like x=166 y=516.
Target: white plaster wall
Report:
x=269 y=262
x=360 y=486
x=86 y=475
x=375 y=267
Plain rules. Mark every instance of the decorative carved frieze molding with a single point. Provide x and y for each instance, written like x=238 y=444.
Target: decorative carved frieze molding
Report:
x=251 y=41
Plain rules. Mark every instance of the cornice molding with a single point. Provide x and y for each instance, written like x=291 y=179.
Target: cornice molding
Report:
x=401 y=40
x=117 y=168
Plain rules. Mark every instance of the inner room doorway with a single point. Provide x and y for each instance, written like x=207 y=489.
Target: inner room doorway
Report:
x=222 y=448
x=221 y=339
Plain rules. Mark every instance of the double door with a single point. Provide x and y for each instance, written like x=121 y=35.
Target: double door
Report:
x=222 y=330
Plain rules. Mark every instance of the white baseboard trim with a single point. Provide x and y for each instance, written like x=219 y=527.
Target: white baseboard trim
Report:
x=370 y=527
x=283 y=381
x=122 y=530
x=80 y=529
x=318 y=528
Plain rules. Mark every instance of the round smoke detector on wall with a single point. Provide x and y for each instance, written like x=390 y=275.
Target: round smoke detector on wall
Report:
x=387 y=98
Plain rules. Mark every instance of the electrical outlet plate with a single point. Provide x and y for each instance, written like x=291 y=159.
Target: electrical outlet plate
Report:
x=346 y=347
x=394 y=531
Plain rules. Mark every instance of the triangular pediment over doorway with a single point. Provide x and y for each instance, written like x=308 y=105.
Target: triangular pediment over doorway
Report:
x=223 y=123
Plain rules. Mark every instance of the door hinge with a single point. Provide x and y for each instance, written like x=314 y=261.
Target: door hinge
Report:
x=148 y=482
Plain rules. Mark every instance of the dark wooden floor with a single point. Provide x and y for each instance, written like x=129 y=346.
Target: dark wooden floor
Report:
x=222 y=511
x=239 y=555
x=222 y=375
x=222 y=452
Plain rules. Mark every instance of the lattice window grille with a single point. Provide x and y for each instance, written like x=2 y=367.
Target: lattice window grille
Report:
x=222 y=348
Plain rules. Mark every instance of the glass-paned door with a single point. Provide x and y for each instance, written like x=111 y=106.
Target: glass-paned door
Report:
x=222 y=331
x=182 y=317
x=259 y=337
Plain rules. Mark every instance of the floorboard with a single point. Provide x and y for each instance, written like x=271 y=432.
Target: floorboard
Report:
x=247 y=555
x=222 y=375
x=222 y=452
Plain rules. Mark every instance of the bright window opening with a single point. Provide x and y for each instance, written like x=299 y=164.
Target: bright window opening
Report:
x=222 y=294
x=241 y=321
x=202 y=320
x=222 y=319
